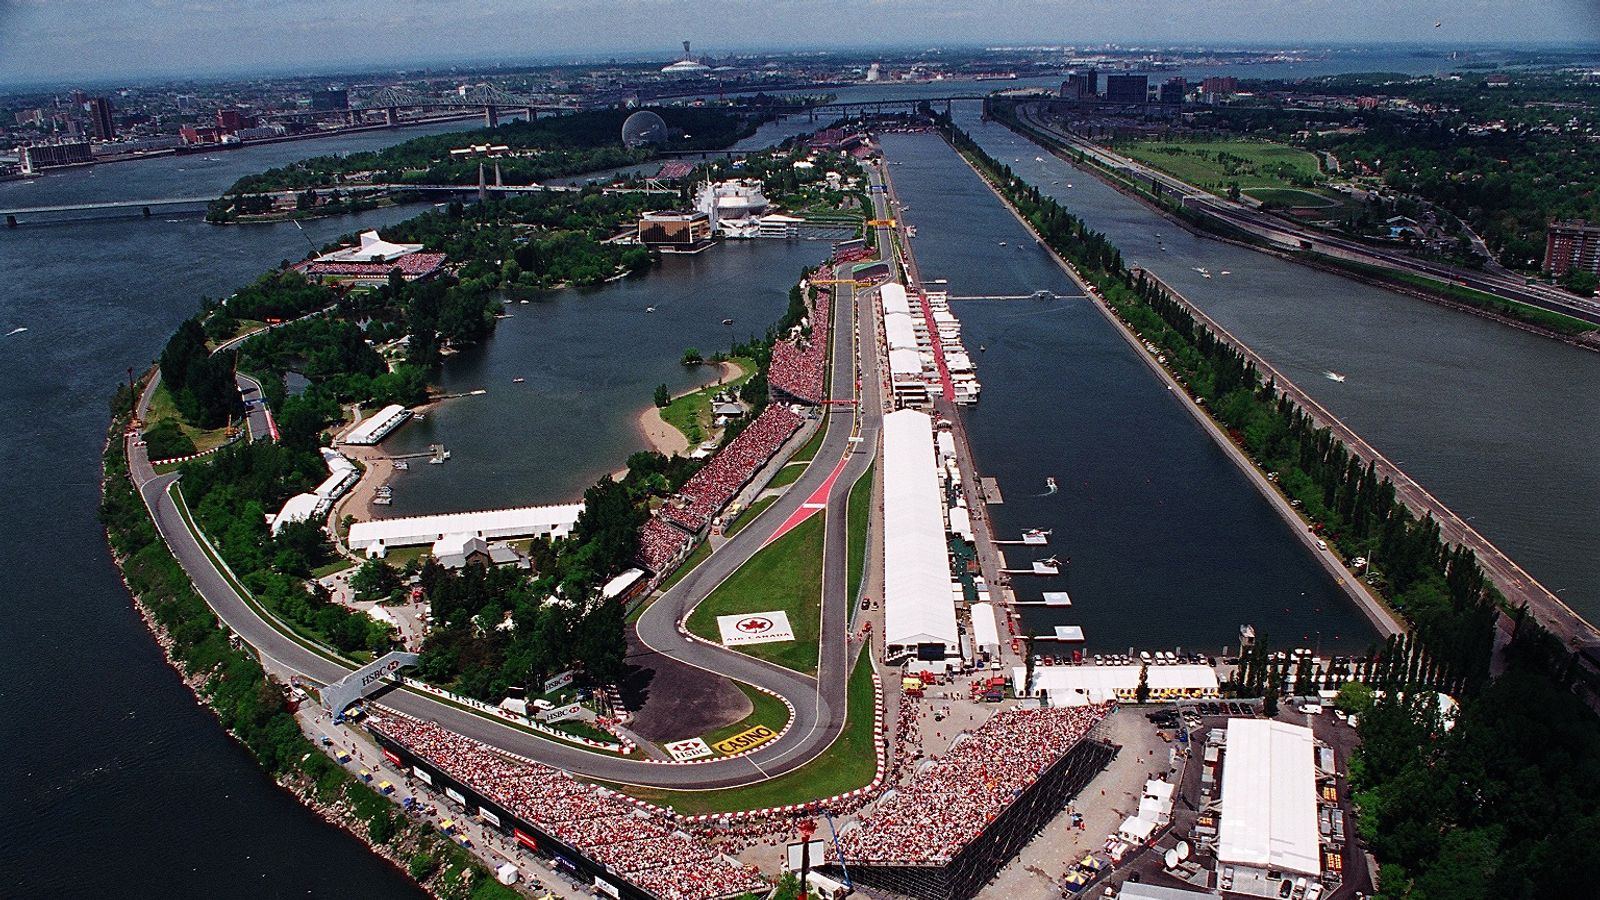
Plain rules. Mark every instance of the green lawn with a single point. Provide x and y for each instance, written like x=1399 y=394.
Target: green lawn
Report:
x=338 y=565
x=767 y=710
x=1216 y=164
x=787 y=475
x=786 y=575
x=809 y=451
x=162 y=407
x=691 y=413
x=748 y=516
x=860 y=509
x=1292 y=198
x=849 y=763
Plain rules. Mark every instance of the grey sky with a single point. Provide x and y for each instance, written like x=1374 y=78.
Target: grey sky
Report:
x=51 y=40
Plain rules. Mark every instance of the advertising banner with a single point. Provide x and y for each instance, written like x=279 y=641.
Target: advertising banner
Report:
x=422 y=775
x=455 y=795
x=561 y=713
x=393 y=757
x=744 y=740
x=489 y=817
x=693 y=748
x=557 y=682
x=524 y=839
x=755 y=628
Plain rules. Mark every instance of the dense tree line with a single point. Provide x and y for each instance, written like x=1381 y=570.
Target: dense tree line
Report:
x=545 y=148
x=1497 y=805
x=201 y=384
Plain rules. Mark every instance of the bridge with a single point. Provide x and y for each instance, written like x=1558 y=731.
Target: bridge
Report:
x=11 y=214
x=491 y=99
x=876 y=107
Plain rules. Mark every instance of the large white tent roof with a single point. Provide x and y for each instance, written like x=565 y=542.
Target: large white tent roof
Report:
x=1082 y=685
x=1269 y=798
x=491 y=524
x=894 y=299
x=370 y=248
x=916 y=594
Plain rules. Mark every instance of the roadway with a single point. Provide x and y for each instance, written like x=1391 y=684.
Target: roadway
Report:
x=819 y=702
x=1292 y=237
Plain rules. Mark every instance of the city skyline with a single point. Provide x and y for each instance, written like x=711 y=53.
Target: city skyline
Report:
x=187 y=36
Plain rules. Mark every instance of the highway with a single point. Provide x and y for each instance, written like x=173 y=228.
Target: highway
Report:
x=1292 y=237
x=819 y=703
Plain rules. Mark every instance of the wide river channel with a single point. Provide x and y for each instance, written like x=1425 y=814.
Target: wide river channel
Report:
x=120 y=783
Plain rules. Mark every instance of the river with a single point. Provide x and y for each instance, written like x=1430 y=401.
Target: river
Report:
x=1498 y=423
x=1169 y=544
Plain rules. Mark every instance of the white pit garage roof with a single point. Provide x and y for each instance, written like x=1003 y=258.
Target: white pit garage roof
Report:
x=1083 y=685
x=905 y=364
x=1269 y=798
x=916 y=595
x=899 y=333
x=894 y=299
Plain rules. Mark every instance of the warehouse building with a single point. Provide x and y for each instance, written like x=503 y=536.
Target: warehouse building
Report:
x=1268 y=839
x=919 y=616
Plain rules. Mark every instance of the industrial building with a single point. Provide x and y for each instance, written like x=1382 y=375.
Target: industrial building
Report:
x=377 y=426
x=919 y=617
x=1268 y=837
x=378 y=537
x=38 y=157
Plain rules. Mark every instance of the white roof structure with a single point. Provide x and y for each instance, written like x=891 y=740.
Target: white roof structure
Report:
x=918 y=612
x=377 y=426
x=905 y=363
x=370 y=248
x=1269 y=798
x=899 y=332
x=961 y=523
x=1083 y=685
x=985 y=632
x=1135 y=830
x=379 y=536
x=298 y=508
x=893 y=297
x=619 y=585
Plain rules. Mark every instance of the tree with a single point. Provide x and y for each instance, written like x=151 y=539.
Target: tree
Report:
x=692 y=357
x=374 y=580
x=663 y=395
x=1354 y=698
x=1141 y=694
x=1269 y=701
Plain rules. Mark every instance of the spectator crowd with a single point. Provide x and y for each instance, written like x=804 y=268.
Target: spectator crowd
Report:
x=955 y=798
x=607 y=830
x=799 y=360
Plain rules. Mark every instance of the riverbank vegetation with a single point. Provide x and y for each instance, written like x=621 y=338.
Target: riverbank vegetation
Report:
x=550 y=147
x=1487 y=808
x=248 y=704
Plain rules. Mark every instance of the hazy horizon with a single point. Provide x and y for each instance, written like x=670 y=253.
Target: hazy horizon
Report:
x=122 y=39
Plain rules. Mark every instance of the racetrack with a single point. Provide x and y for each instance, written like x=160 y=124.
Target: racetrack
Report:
x=819 y=703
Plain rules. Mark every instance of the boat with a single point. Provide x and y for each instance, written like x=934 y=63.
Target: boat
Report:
x=1333 y=376
x=518 y=380
x=1205 y=274
x=401 y=465
x=727 y=321
x=382 y=501
x=1002 y=243
x=649 y=309
x=1044 y=295
x=16 y=331
x=1050 y=482
x=1225 y=272
x=983 y=348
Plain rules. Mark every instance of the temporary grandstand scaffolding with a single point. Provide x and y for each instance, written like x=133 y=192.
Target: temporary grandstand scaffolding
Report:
x=965 y=874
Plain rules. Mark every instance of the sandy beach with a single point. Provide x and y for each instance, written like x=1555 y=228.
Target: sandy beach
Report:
x=664 y=438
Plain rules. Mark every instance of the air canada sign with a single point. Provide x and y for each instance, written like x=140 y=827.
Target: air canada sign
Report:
x=754 y=628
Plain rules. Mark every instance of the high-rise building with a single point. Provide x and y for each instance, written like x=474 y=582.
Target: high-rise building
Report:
x=330 y=99
x=1083 y=84
x=1172 y=91
x=1127 y=88
x=100 y=118
x=1221 y=85
x=1572 y=247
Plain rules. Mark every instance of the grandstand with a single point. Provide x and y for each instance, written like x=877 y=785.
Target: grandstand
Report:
x=604 y=840
x=962 y=818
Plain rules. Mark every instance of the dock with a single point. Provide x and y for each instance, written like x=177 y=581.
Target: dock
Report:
x=991 y=490
x=1070 y=634
x=1051 y=598
x=1032 y=539
x=1039 y=567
